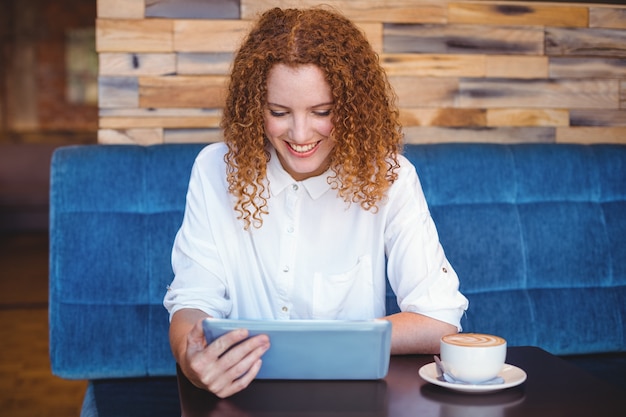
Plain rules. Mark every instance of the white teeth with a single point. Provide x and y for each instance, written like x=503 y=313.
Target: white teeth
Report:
x=302 y=148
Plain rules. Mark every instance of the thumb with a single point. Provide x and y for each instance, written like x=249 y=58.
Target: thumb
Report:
x=195 y=339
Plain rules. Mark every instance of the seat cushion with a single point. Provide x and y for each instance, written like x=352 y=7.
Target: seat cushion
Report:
x=132 y=397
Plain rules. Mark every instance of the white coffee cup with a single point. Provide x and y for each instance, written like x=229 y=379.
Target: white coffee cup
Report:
x=473 y=357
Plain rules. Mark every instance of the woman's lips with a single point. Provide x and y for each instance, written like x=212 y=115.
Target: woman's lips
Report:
x=302 y=150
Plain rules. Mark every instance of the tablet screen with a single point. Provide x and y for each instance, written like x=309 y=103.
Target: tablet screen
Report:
x=316 y=349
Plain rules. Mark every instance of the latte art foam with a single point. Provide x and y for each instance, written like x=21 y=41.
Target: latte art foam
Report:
x=473 y=339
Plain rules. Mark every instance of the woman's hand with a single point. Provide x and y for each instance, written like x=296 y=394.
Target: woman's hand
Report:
x=225 y=366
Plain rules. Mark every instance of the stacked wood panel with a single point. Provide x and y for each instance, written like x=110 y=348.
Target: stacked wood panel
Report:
x=483 y=71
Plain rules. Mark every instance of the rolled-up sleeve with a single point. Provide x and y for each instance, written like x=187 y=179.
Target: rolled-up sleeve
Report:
x=199 y=275
x=418 y=270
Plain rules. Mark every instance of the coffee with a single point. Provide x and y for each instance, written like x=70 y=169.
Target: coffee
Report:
x=473 y=339
x=473 y=357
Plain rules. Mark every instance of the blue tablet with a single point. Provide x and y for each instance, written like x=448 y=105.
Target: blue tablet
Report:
x=316 y=349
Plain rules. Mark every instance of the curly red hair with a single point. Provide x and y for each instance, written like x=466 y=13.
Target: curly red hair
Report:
x=366 y=125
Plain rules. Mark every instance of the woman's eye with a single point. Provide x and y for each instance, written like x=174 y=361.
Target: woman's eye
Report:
x=281 y=113
x=276 y=113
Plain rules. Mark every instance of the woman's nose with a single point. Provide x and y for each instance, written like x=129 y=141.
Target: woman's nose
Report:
x=300 y=129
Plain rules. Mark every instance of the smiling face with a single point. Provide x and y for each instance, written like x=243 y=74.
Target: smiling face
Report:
x=298 y=119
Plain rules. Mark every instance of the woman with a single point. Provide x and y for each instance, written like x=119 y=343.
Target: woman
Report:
x=306 y=206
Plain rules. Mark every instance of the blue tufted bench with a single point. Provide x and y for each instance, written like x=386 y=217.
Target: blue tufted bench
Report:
x=536 y=232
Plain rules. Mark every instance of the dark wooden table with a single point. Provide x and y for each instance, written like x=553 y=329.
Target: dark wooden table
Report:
x=553 y=388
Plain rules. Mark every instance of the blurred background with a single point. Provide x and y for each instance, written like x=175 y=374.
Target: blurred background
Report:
x=48 y=98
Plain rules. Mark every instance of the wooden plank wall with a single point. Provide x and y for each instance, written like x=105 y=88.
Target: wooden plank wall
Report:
x=479 y=71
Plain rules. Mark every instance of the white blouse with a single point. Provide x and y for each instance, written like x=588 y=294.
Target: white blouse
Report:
x=315 y=256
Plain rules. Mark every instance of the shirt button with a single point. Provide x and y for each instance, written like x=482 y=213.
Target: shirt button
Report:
x=285 y=309
x=445 y=270
x=294 y=187
x=290 y=229
x=286 y=268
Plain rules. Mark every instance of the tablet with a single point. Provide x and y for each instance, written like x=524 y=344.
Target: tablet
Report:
x=316 y=349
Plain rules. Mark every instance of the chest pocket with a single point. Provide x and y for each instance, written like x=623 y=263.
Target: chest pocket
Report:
x=345 y=296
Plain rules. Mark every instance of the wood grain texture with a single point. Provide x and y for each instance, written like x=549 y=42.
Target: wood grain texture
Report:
x=561 y=93
x=587 y=117
x=191 y=63
x=192 y=135
x=182 y=91
x=160 y=112
x=448 y=117
x=590 y=135
x=499 y=70
x=127 y=35
x=146 y=137
x=527 y=14
x=586 y=67
x=121 y=9
x=425 y=91
x=512 y=66
x=158 y=122
x=405 y=11
x=193 y=9
x=607 y=17
x=586 y=42
x=527 y=117
x=462 y=39
x=429 y=65
x=118 y=92
x=134 y=64
x=209 y=35
x=374 y=34
x=485 y=134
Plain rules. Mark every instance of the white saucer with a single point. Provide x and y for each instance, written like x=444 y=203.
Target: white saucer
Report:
x=512 y=375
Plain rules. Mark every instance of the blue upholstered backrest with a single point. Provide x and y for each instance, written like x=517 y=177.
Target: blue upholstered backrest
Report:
x=537 y=234
x=114 y=212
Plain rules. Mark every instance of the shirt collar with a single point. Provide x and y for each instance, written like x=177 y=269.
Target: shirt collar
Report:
x=279 y=179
